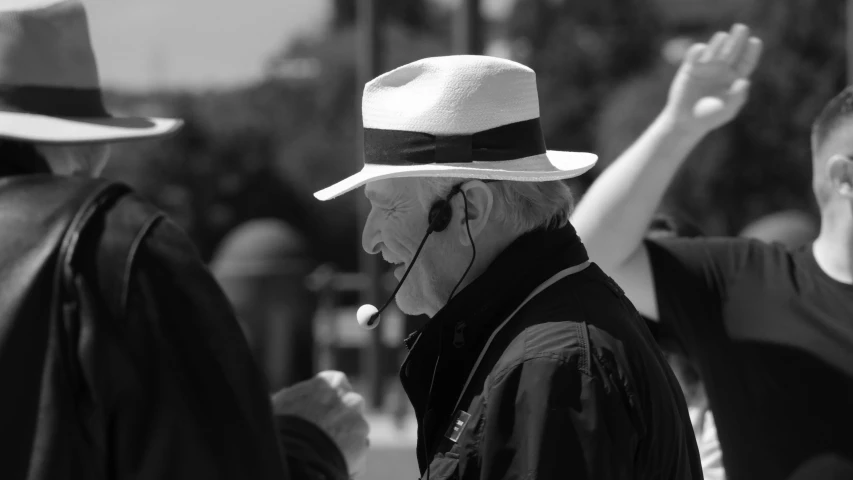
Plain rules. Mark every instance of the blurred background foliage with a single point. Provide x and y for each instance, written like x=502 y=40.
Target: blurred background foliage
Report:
x=603 y=70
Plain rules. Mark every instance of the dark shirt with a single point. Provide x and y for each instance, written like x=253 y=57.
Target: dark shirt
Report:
x=772 y=337
x=572 y=387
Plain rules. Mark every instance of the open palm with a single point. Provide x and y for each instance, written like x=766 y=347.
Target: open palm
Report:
x=712 y=83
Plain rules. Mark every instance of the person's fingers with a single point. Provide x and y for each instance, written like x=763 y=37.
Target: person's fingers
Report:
x=355 y=401
x=694 y=53
x=336 y=379
x=361 y=427
x=739 y=89
x=716 y=43
x=297 y=390
x=734 y=47
x=349 y=424
x=749 y=60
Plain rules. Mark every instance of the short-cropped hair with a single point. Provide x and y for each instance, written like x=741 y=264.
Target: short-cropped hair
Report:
x=521 y=206
x=835 y=113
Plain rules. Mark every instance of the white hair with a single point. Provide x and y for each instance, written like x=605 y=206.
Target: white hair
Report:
x=521 y=206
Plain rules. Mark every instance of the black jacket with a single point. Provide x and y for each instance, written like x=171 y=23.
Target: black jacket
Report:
x=153 y=378
x=572 y=387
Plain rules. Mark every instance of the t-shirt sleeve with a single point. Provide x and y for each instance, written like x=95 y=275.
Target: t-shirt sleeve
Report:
x=692 y=278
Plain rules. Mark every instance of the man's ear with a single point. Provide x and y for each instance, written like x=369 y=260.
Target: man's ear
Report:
x=839 y=171
x=480 y=200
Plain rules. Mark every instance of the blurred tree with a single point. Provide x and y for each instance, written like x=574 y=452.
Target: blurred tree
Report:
x=217 y=172
x=264 y=149
x=761 y=162
x=321 y=149
x=691 y=14
x=804 y=66
x=417 y=15
x=580 y=52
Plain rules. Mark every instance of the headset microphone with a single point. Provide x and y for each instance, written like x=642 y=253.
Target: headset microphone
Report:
x=440 y=215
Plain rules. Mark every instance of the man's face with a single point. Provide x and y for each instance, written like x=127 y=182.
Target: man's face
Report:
x=396 y=226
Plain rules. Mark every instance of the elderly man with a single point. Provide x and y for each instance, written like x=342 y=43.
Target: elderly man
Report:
x=770 y=329
x=119 y=354
x=533 y=364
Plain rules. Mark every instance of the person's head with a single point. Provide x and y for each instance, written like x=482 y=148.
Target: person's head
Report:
x=497 y=213
x=832 y=153
x=51 y=103
x=455 y=118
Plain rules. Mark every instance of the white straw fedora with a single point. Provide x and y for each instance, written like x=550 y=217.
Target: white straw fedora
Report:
x=459 y=116
x=49 y=85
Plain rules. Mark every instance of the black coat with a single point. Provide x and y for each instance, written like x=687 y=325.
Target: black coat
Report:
x=153 y=379
x=572 y=387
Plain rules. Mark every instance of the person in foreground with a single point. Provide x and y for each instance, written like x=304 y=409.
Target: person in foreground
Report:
x=132 y=364
x=533 y=363
x=769 y=329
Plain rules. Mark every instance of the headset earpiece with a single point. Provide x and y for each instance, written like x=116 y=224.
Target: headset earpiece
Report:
x=440 y=215
x=442 y=211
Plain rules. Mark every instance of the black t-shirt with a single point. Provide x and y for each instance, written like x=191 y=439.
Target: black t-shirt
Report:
x=772 y=337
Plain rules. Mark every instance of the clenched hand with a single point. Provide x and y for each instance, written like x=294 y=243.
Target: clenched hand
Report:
x=328 y=401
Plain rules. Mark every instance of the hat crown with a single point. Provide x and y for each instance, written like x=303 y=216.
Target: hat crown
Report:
x=451 y=95
x=46 y=43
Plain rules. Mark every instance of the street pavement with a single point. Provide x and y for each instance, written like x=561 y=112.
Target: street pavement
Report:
x=392 y=448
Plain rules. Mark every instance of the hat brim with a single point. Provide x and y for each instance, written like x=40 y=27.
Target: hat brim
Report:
x=44 y=129
x=552 y=165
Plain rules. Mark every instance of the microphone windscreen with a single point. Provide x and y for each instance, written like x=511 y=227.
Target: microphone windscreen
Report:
x=367 y=316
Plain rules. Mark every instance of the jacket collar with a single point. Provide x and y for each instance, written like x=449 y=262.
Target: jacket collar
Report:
x=521 y=267
x=462 y=327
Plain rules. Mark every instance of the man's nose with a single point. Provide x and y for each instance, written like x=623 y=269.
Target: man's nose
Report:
x=370 y=235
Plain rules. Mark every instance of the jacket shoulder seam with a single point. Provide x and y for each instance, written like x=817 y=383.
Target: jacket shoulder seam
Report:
x=560 y=358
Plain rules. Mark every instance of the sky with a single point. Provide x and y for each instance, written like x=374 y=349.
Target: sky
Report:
x=203 y=44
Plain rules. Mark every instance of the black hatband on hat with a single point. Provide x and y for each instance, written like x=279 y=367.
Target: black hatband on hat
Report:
x=53 y=101
x=507 y=142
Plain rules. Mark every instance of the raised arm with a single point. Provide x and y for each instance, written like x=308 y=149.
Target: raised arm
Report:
x=708 y=91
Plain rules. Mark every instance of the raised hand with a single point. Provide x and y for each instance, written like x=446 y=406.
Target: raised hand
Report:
x=328 y=401
x=712 y=83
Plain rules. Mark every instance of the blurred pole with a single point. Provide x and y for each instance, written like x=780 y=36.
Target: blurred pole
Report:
x=849 y=41
x=369 y=66
x=468 y=29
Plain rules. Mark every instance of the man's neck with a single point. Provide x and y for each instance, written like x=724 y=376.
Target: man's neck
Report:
x=833 y=249
x=487 y=252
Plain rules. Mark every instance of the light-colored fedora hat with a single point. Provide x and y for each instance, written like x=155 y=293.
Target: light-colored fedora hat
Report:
x=459 y=116
x=49 y=85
